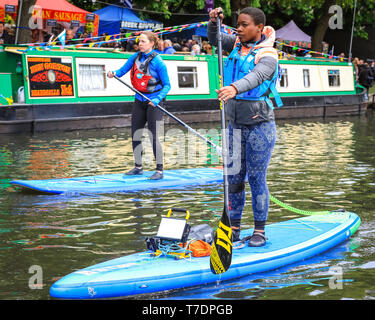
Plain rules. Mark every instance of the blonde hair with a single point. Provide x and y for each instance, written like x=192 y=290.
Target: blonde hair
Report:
x=168 y=42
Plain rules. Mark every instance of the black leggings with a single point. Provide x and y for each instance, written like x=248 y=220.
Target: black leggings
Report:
x=143 y=112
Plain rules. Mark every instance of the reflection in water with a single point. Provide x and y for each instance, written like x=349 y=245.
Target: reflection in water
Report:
x=315 y=166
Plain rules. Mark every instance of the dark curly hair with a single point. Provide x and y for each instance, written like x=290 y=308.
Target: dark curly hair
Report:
x=256 y=14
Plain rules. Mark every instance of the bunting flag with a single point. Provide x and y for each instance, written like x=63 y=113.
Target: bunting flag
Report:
x=62 y=38
x=91 y=41
x=227 y=29
x=127 y=3
x=127 y=36
x=294 y=48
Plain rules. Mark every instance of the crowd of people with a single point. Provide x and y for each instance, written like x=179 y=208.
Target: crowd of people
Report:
x=164 y=46
x=7 y=34
x=171 y=46
x=364 y=72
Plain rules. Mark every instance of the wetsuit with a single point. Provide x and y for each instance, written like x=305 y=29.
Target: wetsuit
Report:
x=142 y=112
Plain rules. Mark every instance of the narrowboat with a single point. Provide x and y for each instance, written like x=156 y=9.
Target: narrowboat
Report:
x=67 y=89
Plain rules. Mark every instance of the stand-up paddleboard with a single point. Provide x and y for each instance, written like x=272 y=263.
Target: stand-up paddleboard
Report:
x=288 y=242
x=122 y=183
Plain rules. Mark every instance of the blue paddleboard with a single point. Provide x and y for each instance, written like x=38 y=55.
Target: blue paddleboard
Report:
x=288 y=242
x=121 y=183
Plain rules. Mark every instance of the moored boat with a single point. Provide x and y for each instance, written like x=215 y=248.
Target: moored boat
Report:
x=68 y=89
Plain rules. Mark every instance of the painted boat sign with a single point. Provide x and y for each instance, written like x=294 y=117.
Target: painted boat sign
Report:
x=50 y=77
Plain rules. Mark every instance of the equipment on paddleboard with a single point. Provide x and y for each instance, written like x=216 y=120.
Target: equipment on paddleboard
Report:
x=142 y=273
x=221 y=254
x=177 y=239
x=172 y=236
x=107 y=183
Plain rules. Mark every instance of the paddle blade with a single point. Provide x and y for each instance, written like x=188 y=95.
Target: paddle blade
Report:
x=221 y=252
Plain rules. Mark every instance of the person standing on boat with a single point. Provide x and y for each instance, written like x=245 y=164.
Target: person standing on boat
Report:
x=366 y=78
x=250 y=74
x=148 y=75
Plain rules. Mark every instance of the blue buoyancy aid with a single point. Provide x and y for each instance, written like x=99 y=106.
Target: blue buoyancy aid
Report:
x=237 y=66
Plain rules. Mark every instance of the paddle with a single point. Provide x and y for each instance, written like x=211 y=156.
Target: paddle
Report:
x=221 y=253
x=218 y=149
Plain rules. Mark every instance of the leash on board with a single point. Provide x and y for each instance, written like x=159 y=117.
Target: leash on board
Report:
x=222 y=246
x=295 y=210
x=218 y=149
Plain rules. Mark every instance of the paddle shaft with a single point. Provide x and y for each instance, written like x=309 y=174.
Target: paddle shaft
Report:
x=219 y=150
x=223 y=122
x=221 y=252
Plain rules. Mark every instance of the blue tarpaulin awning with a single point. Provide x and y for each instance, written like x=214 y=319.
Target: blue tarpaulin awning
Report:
x=113 y=18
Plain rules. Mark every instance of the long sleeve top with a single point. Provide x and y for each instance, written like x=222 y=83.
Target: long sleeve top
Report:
x=242 y=111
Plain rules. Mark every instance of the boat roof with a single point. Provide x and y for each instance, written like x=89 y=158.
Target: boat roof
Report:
x=24 y=49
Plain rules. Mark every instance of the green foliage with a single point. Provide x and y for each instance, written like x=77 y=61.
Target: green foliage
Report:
x=87 y=5
x=304 y=12
x=307 y=12
x=168 y=7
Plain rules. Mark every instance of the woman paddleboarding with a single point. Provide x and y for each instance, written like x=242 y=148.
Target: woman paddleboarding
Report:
x=250 y=74
x=148 y=75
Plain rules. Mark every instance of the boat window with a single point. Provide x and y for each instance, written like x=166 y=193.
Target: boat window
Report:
x=283 y=78
x=306 y=78
x=187 y=77
x=92 y=77
x=334 y=78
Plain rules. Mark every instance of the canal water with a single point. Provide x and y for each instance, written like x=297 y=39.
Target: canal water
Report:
x=316 y=165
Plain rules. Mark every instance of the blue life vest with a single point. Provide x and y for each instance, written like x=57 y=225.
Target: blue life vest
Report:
x=237 y=66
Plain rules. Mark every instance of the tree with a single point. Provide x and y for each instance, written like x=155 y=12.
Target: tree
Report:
x=315 y=14
x=25 y=22
x=169 y=7
x=321 y=25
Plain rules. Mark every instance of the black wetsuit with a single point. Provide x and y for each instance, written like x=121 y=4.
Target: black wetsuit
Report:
x=143 y=112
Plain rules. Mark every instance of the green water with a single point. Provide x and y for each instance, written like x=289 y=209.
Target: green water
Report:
x=316 y=165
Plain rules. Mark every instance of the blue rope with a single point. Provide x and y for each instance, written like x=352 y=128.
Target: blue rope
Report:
x=172 y=247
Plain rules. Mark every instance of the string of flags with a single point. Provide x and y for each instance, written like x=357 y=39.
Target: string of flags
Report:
x=93 y=41
x=305 y=51
x=98 y=41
